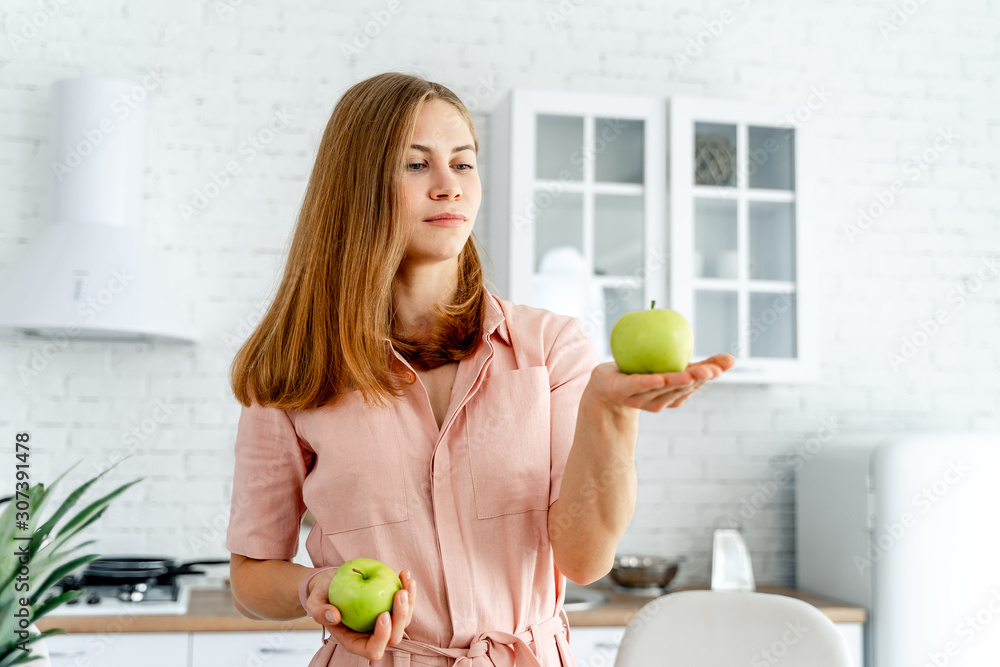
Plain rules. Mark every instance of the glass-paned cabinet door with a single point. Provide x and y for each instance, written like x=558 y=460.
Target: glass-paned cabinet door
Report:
x=739 y=221
x=578 y=206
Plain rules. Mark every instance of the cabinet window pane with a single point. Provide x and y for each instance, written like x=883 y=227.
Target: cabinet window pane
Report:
x=618 y=150
x=566 y=294
x=715 y=156
x=772 y=240
x=715 y=315
x=772 y=325
x=618 y=235
x=715 y=254
x=559 y=224
x=617 y=302
x=560 y=147
x=771 y=159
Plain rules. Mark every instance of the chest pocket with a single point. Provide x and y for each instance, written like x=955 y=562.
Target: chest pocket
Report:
x=509 y=449
x=358 y=481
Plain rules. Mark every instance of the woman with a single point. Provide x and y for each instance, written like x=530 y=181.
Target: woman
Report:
x=471 y=444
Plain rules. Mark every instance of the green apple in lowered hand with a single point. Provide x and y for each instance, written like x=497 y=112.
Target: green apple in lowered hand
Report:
x=362 y=589
x=651 y=341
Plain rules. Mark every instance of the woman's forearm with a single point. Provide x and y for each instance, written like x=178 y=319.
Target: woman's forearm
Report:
x=267 y=589
x=597 y=497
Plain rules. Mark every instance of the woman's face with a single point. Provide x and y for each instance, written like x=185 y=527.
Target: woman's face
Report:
x=441 y=187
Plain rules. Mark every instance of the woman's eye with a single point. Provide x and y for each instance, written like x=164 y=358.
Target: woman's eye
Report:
x=416 y=166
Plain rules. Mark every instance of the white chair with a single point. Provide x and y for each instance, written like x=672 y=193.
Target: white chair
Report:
x=723 y=628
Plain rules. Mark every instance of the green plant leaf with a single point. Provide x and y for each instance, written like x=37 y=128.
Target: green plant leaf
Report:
x=53 y=485
x=59 y=573
x=8 y=560
x=90 y=514
x=36 y=496
x=50 y=559
x=47 y=556
x=53 y=602
x=7 y=620
x=45 y=633
x=43 y=565
x=15 y=656
x=71 y=500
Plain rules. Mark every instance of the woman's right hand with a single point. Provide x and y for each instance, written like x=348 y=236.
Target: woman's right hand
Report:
x=388 y=628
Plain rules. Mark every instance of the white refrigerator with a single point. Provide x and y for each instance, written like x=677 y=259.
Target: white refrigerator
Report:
x=907 y=527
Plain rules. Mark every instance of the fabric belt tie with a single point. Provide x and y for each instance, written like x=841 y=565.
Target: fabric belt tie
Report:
x=502 y=649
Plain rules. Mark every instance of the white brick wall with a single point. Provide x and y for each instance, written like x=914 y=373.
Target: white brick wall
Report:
x=229 y=72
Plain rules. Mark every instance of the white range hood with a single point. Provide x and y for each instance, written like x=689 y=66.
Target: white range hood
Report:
x=88 y=275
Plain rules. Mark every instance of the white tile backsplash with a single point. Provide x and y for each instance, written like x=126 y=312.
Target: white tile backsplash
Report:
x=228 y=73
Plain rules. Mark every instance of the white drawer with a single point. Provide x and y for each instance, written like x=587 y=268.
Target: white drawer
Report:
x=279 y=648
x=855 y=636
x=595 y=646
x=125 y=649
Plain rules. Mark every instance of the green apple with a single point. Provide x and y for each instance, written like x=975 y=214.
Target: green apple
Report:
x=651 y=341
x=362 y=589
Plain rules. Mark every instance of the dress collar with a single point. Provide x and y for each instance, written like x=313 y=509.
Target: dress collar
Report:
x=494 y=319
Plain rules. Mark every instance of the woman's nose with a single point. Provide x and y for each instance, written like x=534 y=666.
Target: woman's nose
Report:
x=446 y=187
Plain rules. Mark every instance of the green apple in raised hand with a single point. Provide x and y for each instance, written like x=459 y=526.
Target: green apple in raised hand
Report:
x=651 y=341
x=362 y=589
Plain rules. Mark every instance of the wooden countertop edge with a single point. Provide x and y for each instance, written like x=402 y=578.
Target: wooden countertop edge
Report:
x=212 y=610
x=172 y=623
x=836 y=610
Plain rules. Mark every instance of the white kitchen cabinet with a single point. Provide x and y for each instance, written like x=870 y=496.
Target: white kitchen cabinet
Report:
x=122 y=649
x=578 y=212
x=740 y=237
x=595 y=646
x=591 y=646
x=279 y=648
x=854 y=635
x=579 y=220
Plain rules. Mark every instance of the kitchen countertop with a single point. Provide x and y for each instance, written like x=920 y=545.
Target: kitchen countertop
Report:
x=620 y=607
x=212 y=610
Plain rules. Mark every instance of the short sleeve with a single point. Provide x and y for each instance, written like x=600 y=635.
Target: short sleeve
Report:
x=570 y=362
x=267 y=505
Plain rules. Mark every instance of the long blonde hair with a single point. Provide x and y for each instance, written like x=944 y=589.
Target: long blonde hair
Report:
x=325 y=332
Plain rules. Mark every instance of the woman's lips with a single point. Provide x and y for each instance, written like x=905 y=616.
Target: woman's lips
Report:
x=447 y=222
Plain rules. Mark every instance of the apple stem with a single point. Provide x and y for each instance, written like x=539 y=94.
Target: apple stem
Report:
x=652 y=304
x=359 y=572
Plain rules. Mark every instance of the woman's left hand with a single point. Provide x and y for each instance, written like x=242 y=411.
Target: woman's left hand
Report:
x=655 y=391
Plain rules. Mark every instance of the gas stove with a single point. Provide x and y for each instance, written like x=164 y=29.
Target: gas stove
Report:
x=150 y=597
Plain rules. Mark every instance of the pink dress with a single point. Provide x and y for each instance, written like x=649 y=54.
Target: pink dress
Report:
x=465 y=508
